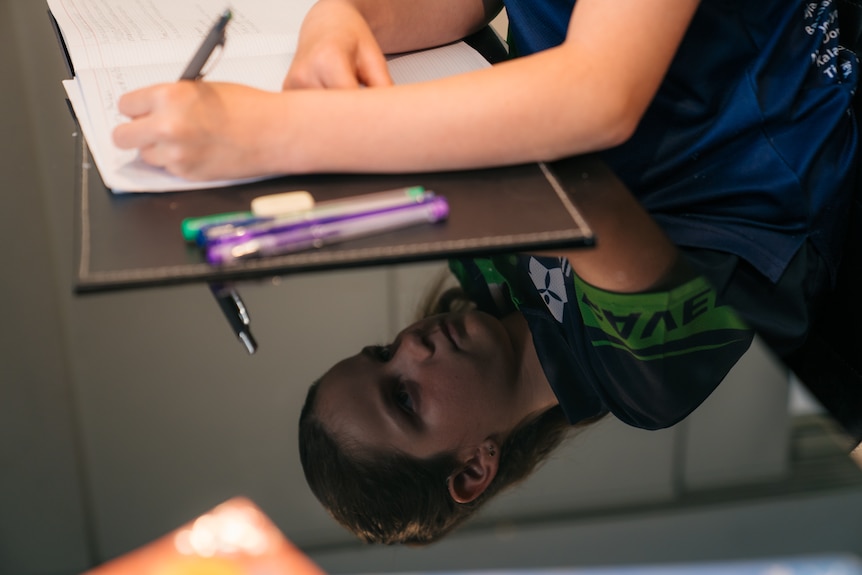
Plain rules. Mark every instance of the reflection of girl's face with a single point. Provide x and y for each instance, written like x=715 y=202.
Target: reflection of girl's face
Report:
x=445 y=383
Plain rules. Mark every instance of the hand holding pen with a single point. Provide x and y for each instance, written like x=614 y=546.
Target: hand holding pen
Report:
x=194 y=130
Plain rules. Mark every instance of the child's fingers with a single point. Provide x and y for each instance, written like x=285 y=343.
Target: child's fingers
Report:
x=373 y=70
x=137 y=102
x=139 y=133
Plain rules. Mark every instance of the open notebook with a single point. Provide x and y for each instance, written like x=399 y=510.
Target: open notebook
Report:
x=115 y=46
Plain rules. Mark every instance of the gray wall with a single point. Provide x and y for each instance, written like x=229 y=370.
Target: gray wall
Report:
x=124 y=415
x=42 y=519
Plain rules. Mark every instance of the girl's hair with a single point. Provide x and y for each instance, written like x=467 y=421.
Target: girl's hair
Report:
x=390 y=497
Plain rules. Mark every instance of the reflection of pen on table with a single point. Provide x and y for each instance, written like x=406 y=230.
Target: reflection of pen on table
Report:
x=236 y=313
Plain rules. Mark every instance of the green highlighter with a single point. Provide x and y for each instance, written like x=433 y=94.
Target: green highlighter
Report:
x=192 y=226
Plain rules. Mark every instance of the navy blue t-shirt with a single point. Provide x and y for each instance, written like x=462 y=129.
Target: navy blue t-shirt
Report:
x=749 y=145
x=650 y=358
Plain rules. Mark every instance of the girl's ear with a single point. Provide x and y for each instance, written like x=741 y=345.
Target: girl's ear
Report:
x=468 y=483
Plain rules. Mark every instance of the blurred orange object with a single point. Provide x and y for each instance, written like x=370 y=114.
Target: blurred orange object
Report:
x=234 y=538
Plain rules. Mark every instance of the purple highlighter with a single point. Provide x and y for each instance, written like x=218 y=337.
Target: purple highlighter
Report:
x=319 y=235
x=321 y=213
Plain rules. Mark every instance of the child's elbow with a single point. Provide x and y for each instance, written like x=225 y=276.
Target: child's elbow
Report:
x=607 y=125
x=619 y=122
x=620 y=131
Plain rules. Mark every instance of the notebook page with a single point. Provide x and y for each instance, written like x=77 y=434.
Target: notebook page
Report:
x=114 y=33
x=110 y=33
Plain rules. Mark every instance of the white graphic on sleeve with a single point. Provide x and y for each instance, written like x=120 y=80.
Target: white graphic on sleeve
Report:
x=551 y=285
x=821 y=20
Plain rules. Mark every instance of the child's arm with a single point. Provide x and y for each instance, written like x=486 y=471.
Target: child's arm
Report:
x=587 y=94
x=632 y=252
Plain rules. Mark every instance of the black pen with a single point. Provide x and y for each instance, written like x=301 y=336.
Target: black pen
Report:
x=215 y=37
x=236 y=313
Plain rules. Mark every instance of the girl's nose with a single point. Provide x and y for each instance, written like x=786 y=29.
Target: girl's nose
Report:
x=415 y=344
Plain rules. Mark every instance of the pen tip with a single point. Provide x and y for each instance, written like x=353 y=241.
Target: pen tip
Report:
x=248 y=341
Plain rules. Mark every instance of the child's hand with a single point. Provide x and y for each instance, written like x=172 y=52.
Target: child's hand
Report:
x=199 y=130
x=336 y=50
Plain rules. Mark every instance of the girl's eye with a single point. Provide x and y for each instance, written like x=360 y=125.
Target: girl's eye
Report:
x=403 y=399
x=384 y=352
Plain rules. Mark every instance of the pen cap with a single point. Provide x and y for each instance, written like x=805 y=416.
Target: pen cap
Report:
x=439 y=209
x=279 y=204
